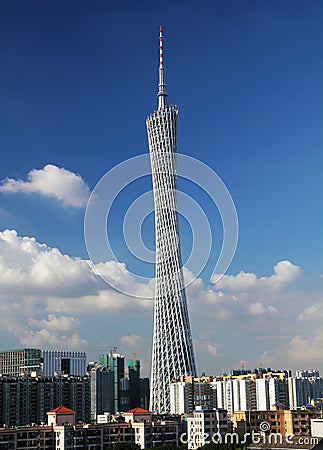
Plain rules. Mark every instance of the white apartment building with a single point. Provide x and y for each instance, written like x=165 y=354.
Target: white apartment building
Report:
x=271 y=391
x=235 y=395
x=247 y=395
x=262 y=394
x=219 y=385
x=181 y=397
x=205 y=426
x=185 y=395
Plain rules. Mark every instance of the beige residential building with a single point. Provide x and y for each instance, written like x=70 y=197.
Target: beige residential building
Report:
x=282 y=421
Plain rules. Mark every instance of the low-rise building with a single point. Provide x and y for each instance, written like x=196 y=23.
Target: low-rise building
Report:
x=278 y=420
x=317 y=427
x=298 y=421
x=150 y=432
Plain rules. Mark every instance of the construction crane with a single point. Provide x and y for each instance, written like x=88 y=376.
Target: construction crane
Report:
x=111 y=349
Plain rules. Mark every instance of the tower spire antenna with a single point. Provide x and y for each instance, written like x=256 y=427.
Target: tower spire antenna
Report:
x=161 y=91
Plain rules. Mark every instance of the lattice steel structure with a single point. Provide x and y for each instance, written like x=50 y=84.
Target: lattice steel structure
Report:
x=172 y=354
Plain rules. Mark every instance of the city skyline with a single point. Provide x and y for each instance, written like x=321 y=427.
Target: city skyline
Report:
x=248 y=82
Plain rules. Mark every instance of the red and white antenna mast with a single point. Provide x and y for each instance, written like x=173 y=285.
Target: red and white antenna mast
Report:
x=161 y=92
x=160 y=46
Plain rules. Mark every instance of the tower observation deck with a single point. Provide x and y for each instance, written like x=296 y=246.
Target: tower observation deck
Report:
x=172 y=353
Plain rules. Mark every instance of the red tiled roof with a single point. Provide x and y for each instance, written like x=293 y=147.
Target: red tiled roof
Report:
x=61 y=409
x=137 y=410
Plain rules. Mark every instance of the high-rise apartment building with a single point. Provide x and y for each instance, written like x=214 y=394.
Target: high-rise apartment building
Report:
x=17 y=361
x=262 y=394
x=270 y=392
x=134 y=383
x=65 y=361
x=172 y=354
x=187 y=393
x=144 y=393
x=26 y=399
x=181 y=397
x=312 y=373
x=115 y=362
x=302 y=390
x=102 y=399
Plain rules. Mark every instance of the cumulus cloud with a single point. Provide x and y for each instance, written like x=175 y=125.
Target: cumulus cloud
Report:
x=312 y=312
x=55 y=323
x=52 y=181
x=211 y=348
x=53 y=331
x=285 y=272
x=133 y=341
x=47 y=339
x=306 y=350
x=299 y=352
x=17 y=318
x=43 y=293
x=46 y=298
x=29 y=267
x=256 y=309
x=205 y=346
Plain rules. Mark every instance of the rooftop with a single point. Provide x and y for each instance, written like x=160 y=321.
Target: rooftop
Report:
x=138 y=410
x=61 y=409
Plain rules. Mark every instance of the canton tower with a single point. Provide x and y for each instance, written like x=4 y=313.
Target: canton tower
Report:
x=172 y=353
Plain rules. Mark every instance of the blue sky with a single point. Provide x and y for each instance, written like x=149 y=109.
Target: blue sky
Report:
x=77 y=82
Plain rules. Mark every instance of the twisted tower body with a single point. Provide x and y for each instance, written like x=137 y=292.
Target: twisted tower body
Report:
x=172 y=354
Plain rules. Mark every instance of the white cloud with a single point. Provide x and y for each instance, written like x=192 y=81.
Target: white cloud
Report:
x=205 y=346
x=45 y=295
x=312 y=312
x=306 y=350
x=284 y=273
x=47 y=339
x=256 y=309
x=132 y=342
x=52 y=181
x=211 y=348
x=29 y=267
x=54 y=323
x=299 y=352
x=49 y=299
